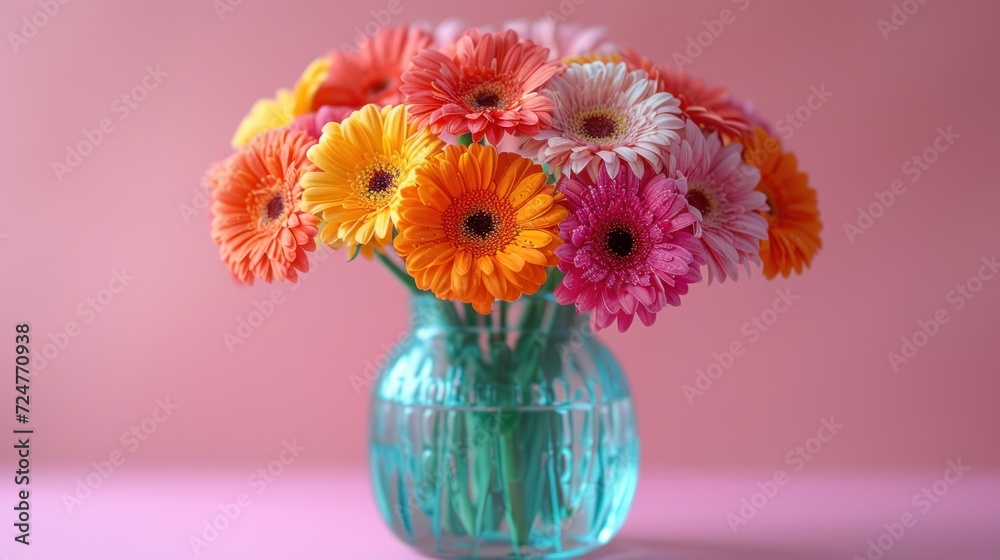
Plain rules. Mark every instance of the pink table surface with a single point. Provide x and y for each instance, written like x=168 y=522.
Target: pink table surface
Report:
x=307 y=514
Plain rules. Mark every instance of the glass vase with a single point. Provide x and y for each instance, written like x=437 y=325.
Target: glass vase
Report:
x=509 y=435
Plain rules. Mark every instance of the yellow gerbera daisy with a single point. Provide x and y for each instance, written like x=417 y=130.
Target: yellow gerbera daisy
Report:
x=267 y=114
x=793 y=219
x=479 y=226
x=581 y=59
x=365 y=161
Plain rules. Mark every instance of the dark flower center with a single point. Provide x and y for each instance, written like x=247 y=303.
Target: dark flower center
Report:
x=275 y=208
x=620 y=242
x=772 y=206
x=381 y=181
x=600 y=126
x=379 y=86
x=486 y=100
x=699 y=201
x=480 y=224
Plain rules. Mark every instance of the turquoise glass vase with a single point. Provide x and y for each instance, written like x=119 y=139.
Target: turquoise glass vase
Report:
x=508 y=435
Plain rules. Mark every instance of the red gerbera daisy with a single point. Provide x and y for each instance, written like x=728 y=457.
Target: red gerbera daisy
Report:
x=372 y=73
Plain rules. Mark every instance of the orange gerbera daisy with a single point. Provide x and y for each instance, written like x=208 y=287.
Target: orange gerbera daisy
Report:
x=793 y=219
x=479 y=225
x=257 y=220
x=372 y=73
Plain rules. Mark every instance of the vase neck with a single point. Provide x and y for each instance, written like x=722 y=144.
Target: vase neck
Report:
x=526 y=314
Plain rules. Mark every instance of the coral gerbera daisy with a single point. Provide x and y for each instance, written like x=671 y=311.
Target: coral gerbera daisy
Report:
x=793 y=216
x=629 y=247
x=257 y=219
x=721 y=192
x=605 y=113
x=479 y=225
x=488 y=88
x=712 y=107
x=280 y=111
x=364 y=162
x=372 y=74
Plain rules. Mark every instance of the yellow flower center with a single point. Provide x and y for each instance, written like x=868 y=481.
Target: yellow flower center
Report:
x=377 y=184
x=592 y=57
x=598 y=124
x=480 y=222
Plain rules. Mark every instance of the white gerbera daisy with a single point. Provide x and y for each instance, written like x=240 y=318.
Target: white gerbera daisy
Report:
x=605 y=113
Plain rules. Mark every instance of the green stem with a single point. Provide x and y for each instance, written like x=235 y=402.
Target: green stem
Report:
x=397 y=271
x=513 y=489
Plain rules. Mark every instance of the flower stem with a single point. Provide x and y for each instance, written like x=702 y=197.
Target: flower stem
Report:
x=397 y=271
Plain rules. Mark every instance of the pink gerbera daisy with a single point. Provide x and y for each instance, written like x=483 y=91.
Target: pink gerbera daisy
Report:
x=712 y=107
x=721 y=190
x=562 y=40
x=488 y=88
x=257 y=220
x=313 y=123
x=628 y=247
x=372 y=74
x=604 y=113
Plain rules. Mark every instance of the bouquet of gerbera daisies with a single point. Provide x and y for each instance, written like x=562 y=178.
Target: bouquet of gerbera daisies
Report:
x=485 y=166
x=491 y=165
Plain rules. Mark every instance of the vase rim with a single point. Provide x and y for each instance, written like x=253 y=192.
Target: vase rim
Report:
x=431 y=315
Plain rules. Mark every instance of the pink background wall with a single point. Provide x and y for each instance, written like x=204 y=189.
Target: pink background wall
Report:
x=162 y=335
